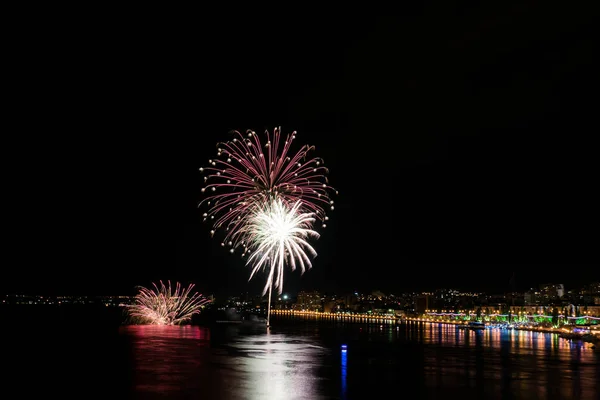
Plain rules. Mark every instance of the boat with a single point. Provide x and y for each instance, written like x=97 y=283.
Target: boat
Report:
x=575 y=332
x=476 y=325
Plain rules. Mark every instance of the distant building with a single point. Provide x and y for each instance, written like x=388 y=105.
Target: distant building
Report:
x=422 y=303
x=446 y=299
x=515 y=299
x=531 y=297
x=283 y=302
x=351 y=301
x=309 y=301
x=552 y=291
x=377 y=294
x=591 y=294
x=330 y=306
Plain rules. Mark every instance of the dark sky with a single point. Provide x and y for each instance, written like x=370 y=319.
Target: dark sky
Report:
x=462 y=142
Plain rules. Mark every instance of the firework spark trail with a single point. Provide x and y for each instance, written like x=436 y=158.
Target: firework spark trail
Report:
x=244 y=176
x=163 y=306
x=277 y=234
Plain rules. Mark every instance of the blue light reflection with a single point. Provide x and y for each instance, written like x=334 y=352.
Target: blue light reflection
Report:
x=344 y=363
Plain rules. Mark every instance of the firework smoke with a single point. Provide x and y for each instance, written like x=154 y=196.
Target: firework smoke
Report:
x=278 y=233
x=247 y=174
x=163 y=306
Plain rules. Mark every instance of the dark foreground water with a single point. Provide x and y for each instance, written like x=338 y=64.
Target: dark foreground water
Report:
x=295 y=360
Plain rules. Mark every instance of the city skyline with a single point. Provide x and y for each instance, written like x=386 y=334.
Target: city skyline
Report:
x=582 y=303
x=256 y=291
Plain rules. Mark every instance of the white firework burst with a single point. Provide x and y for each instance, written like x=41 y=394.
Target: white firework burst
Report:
x=278 y=234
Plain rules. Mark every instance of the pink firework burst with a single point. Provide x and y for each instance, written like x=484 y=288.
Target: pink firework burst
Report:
x=165 y=306
x=248 y=172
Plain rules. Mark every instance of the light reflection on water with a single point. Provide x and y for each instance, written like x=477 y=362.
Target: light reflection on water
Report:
x=304 y=361
x=180 y=361
x=512 y=363
x=344 y=363
x=275 y=366
x=166 y=359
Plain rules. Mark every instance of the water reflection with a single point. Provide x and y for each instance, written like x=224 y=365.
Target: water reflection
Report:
x=156 y=332
x=513 y=363
x=168 y=360
x=344 y=362
x=306 y=361
x=271 y=365
x=184 y=362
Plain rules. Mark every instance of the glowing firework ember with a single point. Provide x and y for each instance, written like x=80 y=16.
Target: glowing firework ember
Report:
x=277 y=234
x=247 y=173
x=164 y=306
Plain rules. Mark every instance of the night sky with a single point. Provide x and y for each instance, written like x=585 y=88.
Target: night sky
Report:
x=462 y=142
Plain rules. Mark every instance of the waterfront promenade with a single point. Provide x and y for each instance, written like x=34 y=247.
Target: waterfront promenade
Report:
x=364 y=318
x=526 y=324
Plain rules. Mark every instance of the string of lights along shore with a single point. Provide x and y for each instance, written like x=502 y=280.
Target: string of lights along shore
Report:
x=266 y=199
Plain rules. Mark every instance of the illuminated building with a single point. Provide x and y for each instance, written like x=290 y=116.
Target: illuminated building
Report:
x=308 y=301
x=551 y=291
